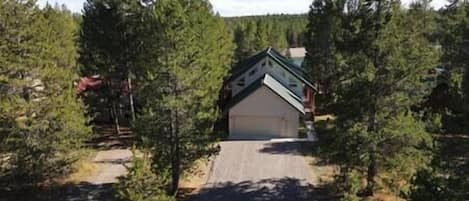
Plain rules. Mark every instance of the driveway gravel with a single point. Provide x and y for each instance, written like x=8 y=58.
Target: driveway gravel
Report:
x=259 y=171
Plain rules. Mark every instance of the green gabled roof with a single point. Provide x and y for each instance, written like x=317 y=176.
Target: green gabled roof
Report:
x=292 y=68
x=275 y=86
x=246 y=64
x=295 y=70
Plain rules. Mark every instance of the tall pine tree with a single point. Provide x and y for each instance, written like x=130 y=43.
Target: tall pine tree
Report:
x=383 y=62
x=110 y=47
x=454 y=37
x=42 y=121
x=324 y=36
x=190 y=52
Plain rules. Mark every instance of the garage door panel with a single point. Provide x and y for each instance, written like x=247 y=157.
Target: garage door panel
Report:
x=258 y=126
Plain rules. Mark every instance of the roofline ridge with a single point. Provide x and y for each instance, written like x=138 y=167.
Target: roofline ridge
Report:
x=285 y=66
x=283 y=85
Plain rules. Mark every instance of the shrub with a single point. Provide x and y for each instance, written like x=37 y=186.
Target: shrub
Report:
x=141 y=183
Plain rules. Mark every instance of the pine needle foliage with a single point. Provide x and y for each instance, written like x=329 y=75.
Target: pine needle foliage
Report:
x=374 y=63
x=42 y=121
x=190 y=51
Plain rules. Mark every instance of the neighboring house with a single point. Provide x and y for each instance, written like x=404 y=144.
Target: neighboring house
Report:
x=88 y=83
x=296 y=55
x=266 y=96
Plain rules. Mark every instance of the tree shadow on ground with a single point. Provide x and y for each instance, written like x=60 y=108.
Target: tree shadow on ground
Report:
x=66 y=192
x=454 y=160
x=286 y=189
x=107 y=139
x=455 y=148
x=287 y=148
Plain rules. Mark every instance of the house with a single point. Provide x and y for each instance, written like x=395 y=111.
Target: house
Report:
x=266 y=97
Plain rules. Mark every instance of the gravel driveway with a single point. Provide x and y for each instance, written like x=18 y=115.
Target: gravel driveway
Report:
x=259 y=171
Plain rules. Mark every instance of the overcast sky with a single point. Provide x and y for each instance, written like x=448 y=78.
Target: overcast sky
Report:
x=241 y=7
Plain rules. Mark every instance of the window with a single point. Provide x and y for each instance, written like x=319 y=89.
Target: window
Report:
x=263 y=64
x=293 y=82
x=270 y=64
x=242 y=82
x=253 y=72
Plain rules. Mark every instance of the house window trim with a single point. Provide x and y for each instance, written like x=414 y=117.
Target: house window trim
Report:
x=241 y=82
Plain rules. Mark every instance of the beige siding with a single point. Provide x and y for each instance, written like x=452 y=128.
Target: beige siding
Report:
x=264 y=114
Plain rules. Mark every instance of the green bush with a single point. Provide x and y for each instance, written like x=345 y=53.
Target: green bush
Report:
x=142 y=184
x=352 y=185
x=428 y=185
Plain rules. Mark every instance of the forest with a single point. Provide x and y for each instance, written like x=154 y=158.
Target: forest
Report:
x=254 y=33
x=394 y=79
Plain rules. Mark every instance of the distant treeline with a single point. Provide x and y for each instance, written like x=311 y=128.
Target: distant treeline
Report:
x=254 y=33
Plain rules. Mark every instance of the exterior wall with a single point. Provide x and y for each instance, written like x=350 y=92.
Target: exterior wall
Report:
x=274 y=69
x=249 y=77
x=263 y=114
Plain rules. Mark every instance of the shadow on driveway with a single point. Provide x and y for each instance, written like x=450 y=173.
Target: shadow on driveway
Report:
x=287 y=148
x=286 y=189
x=66 y=192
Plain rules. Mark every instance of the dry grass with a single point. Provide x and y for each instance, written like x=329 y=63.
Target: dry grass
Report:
x=385 y=197
x=322 y=173
x=193 y=180
x=84 y=168
x=197 y=176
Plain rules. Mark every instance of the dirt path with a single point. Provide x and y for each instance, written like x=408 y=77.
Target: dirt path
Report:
x=110 y=164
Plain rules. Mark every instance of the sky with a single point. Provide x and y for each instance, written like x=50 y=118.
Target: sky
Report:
x=230 y=8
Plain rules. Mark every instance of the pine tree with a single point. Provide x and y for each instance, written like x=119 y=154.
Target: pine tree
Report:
x=444 y=180
x=384 y=62
x=422 y=12
x=455 y=48
x=190 y=51
x=110 y=48
x=42 y=121
x=278 y=39
x=254 y=33
x=324 y=35
x=248 y=45
x=454 y=25
x=261 y=40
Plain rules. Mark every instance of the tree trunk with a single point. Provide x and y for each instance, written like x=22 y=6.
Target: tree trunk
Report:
x=115 y=117
x=175 y=158
x=131 y=96
x=175 y=171
x=372 y=171
x=175 y=163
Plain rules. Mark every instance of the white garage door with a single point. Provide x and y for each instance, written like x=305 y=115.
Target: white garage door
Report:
x=257 y=127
